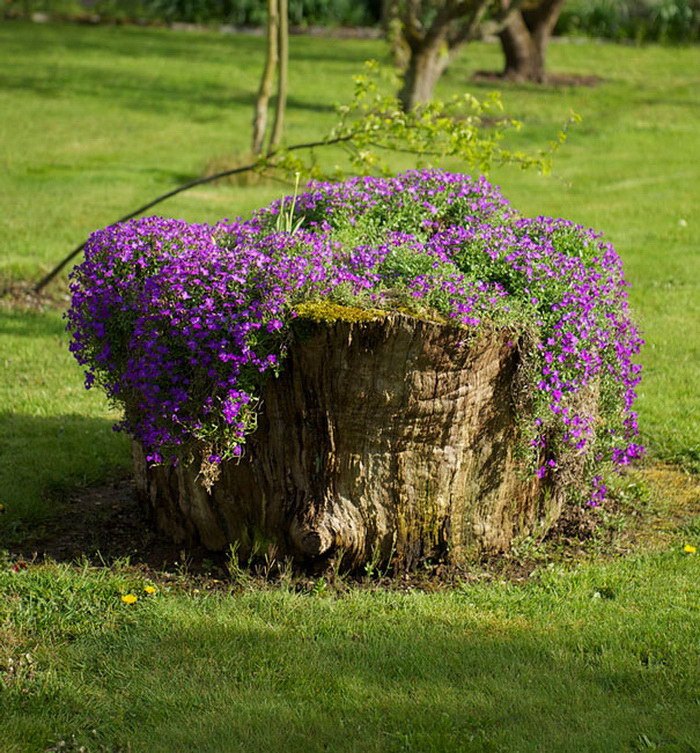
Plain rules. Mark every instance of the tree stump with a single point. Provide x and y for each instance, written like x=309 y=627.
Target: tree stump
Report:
x=386 y=439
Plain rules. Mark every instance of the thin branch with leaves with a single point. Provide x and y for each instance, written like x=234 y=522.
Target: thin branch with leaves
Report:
x=374 y=125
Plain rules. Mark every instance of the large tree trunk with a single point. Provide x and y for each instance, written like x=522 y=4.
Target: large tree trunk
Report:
x=522 y=62
x=388 y=439
x=424 y=68
x=524 y=40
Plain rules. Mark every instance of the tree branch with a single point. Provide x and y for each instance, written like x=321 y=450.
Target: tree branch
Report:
x=185 y=187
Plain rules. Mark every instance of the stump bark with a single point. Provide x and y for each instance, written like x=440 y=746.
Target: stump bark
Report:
x=387 y=439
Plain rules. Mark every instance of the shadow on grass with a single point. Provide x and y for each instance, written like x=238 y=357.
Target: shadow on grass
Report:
x=46 y=461
x=30 y=324
x=133 y=43
x=142 y=92
x=278 y=672
x=66 y=487
x=143 y=43
x=156 y=88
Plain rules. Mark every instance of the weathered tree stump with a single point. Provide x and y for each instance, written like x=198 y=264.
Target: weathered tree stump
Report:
x=391 y=438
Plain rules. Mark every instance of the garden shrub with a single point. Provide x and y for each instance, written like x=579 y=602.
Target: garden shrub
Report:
x=639 y=21
x=239 y=13
x=180 y=323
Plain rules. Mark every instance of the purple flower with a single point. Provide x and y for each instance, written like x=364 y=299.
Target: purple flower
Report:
x=180 y=322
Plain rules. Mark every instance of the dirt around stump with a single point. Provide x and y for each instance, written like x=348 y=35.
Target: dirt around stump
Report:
x=107 y=523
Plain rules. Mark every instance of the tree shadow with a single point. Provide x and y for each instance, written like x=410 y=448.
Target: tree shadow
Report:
x=30 y=324
x=142 y=92
x=391 y=674
x=138 y=43
x=71 y=495
x=553 y=82
x=153 y=88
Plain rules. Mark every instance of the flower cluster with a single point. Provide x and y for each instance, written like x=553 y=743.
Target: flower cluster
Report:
x=180 y=323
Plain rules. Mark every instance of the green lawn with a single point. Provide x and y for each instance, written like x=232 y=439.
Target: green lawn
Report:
x=602 y=659
x=97 y=120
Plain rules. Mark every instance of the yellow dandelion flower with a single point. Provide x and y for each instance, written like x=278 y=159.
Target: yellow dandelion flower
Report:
x=129 y=598
x=149 y=589
x=690 y=549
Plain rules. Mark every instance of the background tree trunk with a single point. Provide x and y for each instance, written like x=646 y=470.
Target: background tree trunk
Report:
x=424 y=68
x=433 y=34
x=519 y=51
x=283 y=64
x=524 y=40
x=268 y=77
x=388 y=439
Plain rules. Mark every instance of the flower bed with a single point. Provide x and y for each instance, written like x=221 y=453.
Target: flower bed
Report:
x=181 y=324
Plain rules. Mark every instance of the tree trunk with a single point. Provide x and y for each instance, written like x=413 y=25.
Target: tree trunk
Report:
x=387 y=439
x=283 y=61
x=524 y=40
x=392 y=28
x=521 y=59
x=268 y=77
x=425 y=66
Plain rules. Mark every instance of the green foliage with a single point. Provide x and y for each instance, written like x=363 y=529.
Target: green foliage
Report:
x=285 y=219
x=233 y=12
x=639 y=21
x=632 y=20
x=373 y=127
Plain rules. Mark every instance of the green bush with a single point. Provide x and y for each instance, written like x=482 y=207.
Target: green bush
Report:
x=233 y=12
x=637 y=21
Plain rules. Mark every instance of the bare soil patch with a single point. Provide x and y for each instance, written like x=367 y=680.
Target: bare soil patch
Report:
x=551 y=79
x=107 y=523
x=21 y=296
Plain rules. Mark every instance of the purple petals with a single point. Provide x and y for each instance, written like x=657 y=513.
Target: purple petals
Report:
x=180 y=322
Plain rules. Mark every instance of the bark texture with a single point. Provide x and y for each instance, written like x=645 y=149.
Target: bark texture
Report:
x=524 y=40
x=423 y=70
x=428 y=35
x=386 y=439
x=433 y=35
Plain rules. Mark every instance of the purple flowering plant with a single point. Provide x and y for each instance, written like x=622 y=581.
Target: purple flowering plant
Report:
x=180 y=323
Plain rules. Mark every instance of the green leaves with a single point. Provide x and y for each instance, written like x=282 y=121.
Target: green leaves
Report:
x=373 y=126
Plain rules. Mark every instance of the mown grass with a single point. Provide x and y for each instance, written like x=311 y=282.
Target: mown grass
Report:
x=102 y=119
x=600 y=659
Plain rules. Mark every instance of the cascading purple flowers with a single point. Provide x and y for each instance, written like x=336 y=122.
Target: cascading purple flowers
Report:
x=180 y=323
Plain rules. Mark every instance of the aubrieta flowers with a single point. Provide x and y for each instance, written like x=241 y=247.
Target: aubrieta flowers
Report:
x=179 y=323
